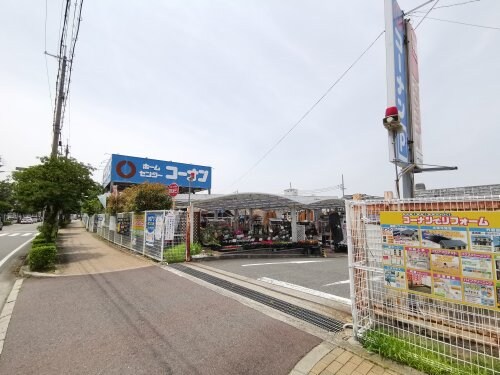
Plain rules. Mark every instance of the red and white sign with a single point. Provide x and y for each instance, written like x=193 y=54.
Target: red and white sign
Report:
x=173 y=189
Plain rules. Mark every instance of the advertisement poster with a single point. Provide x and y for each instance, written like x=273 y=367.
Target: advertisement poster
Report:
x=418 y=258
x=479 y=292
x=169 y=226
x=137 y=228
x=150 y=229
x=395 y=277
x=497 y=266
x=498 y=294
x=446 y=261
x=447 y=286
x=392 y=255
x=112 y=223
x=477 y=265
x=419 y=281
x=123 y=226
x=158 y=228
x=401 y=235
x=444 y=238
x=483 y=239
x=450 y=255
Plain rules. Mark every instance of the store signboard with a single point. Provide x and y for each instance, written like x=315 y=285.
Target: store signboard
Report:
x=397 y=78
x=131 y=169
x=449 y=255
x=416 y=126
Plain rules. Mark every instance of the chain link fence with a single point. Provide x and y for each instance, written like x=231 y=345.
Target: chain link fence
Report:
x=159 y=235
x=425 y=274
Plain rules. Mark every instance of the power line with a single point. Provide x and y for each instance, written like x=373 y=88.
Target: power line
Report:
x=309 y=110
x=461 y=23
x=46 y=62
x=426 y=14
x=457 y=4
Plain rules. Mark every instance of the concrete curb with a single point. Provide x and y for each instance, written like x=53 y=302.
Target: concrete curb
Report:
x=7 y=310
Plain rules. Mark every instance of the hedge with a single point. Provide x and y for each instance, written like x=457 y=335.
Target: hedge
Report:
x=42 y=257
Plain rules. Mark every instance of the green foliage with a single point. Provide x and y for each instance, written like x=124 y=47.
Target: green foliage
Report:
x=426 y=355
x=6 y=197
x=91 y=205
x=177 y=253
x=7 y=222
x=42 y=257
x=48 y=232
x=57 y=185
x=146 y=196
x=115 y=204
x=40 y=240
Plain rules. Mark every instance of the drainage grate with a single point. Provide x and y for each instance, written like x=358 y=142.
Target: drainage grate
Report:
x=319 y=320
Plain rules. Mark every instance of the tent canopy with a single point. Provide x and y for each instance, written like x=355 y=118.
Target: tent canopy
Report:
x=258 y=201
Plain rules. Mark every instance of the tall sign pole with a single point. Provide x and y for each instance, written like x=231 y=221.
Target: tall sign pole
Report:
x=398 y=95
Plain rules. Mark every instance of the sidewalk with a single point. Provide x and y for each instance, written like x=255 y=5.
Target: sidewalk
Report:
x=345 y=358
x=82 y=253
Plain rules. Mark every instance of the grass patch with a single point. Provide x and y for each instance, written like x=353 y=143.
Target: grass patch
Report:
x=427 y=355
x=177 y=253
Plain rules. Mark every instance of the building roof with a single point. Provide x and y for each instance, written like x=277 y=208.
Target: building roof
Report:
x=259 y=201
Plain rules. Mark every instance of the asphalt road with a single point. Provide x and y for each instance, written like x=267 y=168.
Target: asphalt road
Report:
x=313 y=273
x=12 y=237
x=143 y=321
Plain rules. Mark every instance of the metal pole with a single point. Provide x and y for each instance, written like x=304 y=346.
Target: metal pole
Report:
x=188 y=225
x=408 y=177
x=57 y=120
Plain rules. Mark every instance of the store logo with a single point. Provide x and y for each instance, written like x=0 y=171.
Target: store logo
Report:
x=131 y=167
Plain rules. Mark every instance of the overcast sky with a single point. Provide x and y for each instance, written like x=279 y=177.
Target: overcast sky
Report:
x=218 y=83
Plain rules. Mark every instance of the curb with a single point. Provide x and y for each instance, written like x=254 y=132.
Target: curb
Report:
x=7 y=310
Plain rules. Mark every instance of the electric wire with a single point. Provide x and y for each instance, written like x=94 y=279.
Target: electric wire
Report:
x=426 y=14
x=45 y=54
x=457 y=4
x=461 y=23
x=309 y=110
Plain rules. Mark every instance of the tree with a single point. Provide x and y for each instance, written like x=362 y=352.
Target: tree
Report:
x=146 y=196
x=6 y=197
x=56 y=186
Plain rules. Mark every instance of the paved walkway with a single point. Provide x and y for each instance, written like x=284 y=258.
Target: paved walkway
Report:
x=82 y=253
x=343 y=358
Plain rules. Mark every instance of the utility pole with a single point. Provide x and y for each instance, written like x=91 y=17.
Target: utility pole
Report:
x=60 y=101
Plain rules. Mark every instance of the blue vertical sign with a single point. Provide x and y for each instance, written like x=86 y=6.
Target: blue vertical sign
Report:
x=397 y=75
x=150 y=229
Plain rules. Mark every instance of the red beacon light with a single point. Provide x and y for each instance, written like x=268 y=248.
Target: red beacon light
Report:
x=391 y=120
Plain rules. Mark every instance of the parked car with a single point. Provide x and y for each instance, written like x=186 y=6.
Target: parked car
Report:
x=26 y=220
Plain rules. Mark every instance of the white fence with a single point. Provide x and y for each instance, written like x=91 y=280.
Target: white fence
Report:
x=155 y=234
x=427 y=272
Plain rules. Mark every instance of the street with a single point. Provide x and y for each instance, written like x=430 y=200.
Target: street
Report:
x=14 y=242
x=143 y=321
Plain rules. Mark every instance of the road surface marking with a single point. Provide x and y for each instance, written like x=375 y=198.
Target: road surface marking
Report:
x=293 y=262
x=299 y=288
x=14 y=234
x=14 y=251
x=3 y=234
x=339 y=282
x=27 y=234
